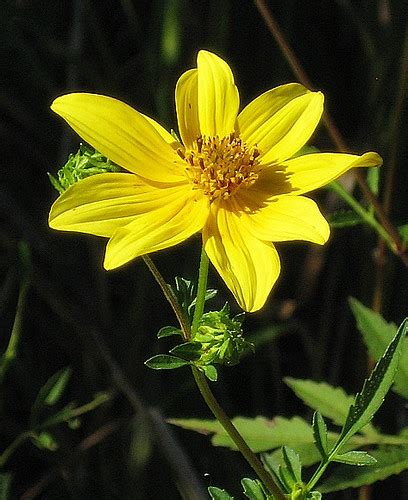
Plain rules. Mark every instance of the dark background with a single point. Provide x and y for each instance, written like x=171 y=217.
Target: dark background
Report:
x=75 y=314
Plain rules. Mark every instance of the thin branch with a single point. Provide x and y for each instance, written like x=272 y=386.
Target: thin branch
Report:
x=337 y=138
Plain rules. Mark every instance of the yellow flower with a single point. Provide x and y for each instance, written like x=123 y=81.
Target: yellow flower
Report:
x=233 y=177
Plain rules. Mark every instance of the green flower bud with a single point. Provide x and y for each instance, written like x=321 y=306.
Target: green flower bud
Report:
x=84 y=163
x=221 y=338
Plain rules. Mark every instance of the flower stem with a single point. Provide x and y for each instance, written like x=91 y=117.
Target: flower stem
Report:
x=185 y=327
x=364 y=214
x=201 y=291
x=235 y=436
x=213 y=404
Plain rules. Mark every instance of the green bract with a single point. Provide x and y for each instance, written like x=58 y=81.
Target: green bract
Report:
x=221 y=337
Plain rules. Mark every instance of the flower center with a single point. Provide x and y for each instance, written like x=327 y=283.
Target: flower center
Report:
x=221 y=166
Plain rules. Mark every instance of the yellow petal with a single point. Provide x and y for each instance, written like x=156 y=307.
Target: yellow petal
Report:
x=218 y=98
x=285 y=218
x=281 y=121
x=187 y=107
x=248 y=266
x=309 y=172
x=122 y=134
x=102 y=203
x=165 y=226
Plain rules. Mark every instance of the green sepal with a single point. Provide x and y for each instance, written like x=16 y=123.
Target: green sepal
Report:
x=168 y=331
x=190 y=351
x=219 y=494
x=355 y=458
x=320 y=434
x=165 y=362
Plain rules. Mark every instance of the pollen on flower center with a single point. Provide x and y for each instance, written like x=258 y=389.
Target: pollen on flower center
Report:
x=220 y=166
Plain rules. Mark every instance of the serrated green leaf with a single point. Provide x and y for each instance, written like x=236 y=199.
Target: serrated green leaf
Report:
x=50 y=393
x=355 y=458
x=403 y=230
x=168 y=331
x=252 y=489
x=190 y=351
x=260 y=433
x=390 y=460
x=292 y=462
x=5 y=486
x=332 y=402
x=345 y=218
x=320 y=434
x=377 y=334
x=375 y=387
x=218 y=494
x=165 y=362
x=210 y=372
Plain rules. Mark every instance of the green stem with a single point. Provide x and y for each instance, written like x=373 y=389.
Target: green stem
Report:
x=209 y=397
x=364 y=214
x=14 y=445
x=201 y=291
x=185 y=327
x=235 y=436
x=11 y=351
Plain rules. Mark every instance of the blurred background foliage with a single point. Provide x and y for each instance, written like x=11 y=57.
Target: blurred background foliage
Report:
x=65 y=311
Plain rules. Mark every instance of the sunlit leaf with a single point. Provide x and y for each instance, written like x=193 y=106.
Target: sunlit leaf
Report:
x=375 y=387
x=355 y=458
x=390 y=460
x=377 y=334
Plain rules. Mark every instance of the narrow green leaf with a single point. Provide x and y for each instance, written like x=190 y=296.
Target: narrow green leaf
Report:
x=252 y=489
x=273 y=466
x=168 y=331
x=57 y=388
x=344 y=218
x=355 y=458
x=50 y=393
x=190 y=351
x=373 y=179
x=210 y=372
x=377 y=334
x=165 y=362
x=375 y=387
x=292 y=462
x=5 y=486
x=390 y=460
x=320 y=434
x=218 y=494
